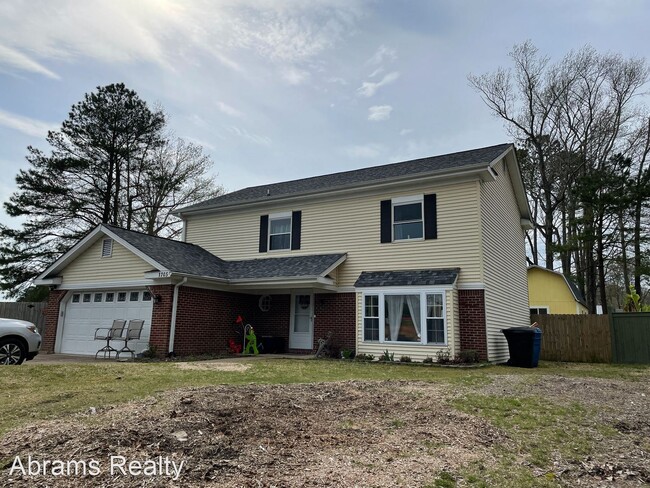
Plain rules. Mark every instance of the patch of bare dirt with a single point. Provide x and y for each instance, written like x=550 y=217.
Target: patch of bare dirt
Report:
x=621 y=459
x=332 y=434
x=215 y=366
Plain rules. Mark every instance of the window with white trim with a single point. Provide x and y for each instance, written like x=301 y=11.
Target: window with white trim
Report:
x=405 y=316
x=371 y=318
x=408 y=222
x=107 y=248
x=539 y=310
x=279 y=231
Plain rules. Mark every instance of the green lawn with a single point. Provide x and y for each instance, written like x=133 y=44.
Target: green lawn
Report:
x=47 y=391
x=540 y=428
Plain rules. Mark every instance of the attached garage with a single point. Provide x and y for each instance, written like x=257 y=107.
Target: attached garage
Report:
x=85 y=311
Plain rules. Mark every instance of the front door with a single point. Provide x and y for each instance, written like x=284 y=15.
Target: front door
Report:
x=302 y=322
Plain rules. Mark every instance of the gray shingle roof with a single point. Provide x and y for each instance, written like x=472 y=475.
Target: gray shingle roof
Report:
x=577 y=294
x=421 y=277
x=176 y=256
x=294 y=266
x=184 y=258
x=416 y=167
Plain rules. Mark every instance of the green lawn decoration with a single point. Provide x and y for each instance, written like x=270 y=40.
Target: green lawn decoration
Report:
x=251 y=341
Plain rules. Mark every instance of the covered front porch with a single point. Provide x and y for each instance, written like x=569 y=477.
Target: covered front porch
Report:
x=284 y=320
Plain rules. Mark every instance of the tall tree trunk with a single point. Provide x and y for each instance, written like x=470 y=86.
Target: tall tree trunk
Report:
x=548 y=231
x=638 y=209
x=621 y=227
x=600 y=262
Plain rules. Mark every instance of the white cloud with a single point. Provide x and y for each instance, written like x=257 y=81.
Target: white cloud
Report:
x=295 y=76
x=367 y=151
x=31 y=127
x=378 y=71
x=228 y=110
x=382 y=54
x=368 y=88
x=378 y=113
x=168 y=32
x=200 y=142
x=404 y=132
x=20 y=61
x=254 y=138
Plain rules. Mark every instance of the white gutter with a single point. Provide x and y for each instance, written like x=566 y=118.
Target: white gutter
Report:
x=172 y=326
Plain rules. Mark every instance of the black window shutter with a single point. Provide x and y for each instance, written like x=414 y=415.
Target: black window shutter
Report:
x=386 y=221
x=430 y=217
x=264 y=232
x=296 y=218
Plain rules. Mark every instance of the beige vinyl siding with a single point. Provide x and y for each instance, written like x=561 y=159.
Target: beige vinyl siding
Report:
x=351 y=224
x=417 y=352
x=89 y=267
x=505 y=276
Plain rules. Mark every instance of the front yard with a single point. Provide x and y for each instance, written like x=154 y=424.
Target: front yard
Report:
x=329 y=423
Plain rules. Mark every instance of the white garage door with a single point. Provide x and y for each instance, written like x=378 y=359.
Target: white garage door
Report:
x=88 y=310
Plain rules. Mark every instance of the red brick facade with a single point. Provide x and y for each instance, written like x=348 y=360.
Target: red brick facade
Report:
x=205 y=319
x=51 y=313
x=473 y=331
x=336 y=312
x=161 y=317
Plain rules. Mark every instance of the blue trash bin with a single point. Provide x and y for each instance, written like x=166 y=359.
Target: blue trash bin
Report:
x=524 y=345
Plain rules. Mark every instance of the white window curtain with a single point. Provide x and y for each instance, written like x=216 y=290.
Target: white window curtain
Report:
x=281 y=226
x=413 y=302
x=395 y=304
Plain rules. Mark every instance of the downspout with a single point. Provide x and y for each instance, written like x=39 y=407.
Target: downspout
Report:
x=172 y=326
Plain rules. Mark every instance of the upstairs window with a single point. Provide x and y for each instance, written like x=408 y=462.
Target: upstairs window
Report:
x=107 y=248
x=412 y=218
x=279 y=232
x=407 y=218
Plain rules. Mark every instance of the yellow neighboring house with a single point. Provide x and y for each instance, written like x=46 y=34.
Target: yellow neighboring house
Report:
x=550 y=292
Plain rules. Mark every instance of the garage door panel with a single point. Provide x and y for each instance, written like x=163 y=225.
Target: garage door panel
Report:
x=82 y=318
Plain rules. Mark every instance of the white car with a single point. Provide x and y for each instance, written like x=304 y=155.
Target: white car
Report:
x=19 y=341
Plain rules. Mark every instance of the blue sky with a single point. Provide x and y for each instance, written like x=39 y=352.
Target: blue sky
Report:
x=277 y=90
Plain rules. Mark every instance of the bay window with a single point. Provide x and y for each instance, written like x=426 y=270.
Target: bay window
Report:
x=404 y=316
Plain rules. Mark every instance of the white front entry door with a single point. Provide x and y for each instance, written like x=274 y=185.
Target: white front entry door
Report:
x=301 y=335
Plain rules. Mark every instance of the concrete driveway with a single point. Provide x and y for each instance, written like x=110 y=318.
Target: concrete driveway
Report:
x=66 y=358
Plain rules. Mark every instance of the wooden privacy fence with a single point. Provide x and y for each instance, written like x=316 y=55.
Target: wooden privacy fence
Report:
x=30 y=311
x=575 y=338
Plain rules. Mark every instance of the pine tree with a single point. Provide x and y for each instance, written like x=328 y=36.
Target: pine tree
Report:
x=99 y=170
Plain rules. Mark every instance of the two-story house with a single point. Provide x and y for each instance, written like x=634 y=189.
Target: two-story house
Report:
x=410 y=257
